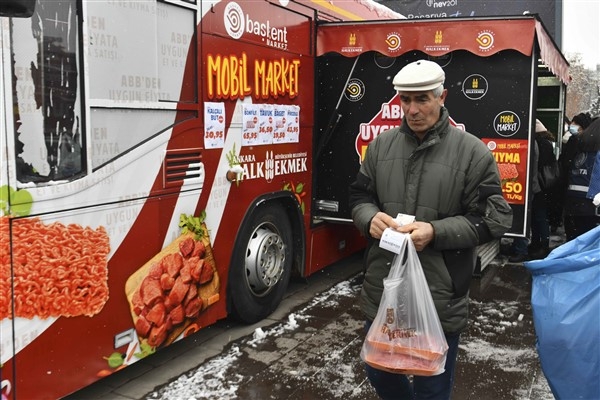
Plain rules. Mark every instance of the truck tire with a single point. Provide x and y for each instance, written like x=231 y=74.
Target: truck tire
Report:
x=261 y=264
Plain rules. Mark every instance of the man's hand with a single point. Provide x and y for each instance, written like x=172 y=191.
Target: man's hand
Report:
x=421 y=233
x=379 y=223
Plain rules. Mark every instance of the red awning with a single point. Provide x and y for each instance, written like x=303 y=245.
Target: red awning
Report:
x=551 y=56
x=483 y=37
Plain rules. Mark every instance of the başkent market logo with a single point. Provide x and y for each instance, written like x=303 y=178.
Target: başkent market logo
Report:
x=355 y=90
x=237 y=23
x=485 y=40
x=233 y=17
x=393 y=41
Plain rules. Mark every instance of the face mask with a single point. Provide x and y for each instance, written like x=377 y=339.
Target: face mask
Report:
x=574 y=129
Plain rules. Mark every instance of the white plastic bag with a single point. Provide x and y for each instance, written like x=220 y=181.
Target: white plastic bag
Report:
x=406 y=336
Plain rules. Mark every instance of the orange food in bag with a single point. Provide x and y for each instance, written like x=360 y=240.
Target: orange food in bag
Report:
x=399 y=359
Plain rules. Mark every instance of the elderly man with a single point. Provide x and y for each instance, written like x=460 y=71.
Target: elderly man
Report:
x=448 y=180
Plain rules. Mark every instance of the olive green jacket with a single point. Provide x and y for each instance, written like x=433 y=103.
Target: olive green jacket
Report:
x=450 y=180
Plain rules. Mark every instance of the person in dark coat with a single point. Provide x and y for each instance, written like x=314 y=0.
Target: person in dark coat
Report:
x=580 y=213
x=555 y=197
x=579 y=123
x=568 y=151
x=448 y=181
x=540 y=226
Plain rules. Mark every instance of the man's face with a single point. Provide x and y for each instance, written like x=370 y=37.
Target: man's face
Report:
x=421 y=109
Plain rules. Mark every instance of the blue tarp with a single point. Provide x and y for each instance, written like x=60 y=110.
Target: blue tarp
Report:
x=565 y=298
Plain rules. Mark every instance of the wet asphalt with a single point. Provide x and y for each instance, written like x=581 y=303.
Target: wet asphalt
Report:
x=318 y=357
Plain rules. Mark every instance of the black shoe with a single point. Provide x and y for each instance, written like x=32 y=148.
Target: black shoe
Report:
x=517 y=258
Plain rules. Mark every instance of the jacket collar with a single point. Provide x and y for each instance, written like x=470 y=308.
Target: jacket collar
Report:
x=436 y=132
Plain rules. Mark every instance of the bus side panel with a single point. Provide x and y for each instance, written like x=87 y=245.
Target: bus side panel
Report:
x=243 y=70
x=91 y=334
x=132 y=204
x=330 y=243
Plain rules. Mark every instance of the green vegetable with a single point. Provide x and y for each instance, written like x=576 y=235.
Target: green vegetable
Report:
x=146 y=350
x=115 y=359
x=189 y=223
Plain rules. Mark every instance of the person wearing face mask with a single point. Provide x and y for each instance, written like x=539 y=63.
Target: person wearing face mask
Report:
x=577 y=161
x=576 y=126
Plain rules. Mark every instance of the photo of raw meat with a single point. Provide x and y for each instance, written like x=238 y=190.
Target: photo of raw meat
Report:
x=508 y=172
x=172 y=289
x=57 y=270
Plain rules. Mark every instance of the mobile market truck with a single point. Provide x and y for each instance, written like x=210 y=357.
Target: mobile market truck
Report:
x=156 y=176
x=163 y=164
x=501 y=74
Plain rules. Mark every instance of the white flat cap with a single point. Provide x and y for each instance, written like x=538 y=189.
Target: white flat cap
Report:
x=419 y=76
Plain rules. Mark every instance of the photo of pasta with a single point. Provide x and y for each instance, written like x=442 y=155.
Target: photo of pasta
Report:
x=59 y=270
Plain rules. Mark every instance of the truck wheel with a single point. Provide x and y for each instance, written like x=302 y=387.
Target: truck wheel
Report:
x=262 y=264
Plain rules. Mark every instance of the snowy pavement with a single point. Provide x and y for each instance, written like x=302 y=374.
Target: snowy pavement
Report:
x=309 y=348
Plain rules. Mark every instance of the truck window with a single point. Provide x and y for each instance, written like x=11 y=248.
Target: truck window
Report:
x=71 y=120
x=47 y=92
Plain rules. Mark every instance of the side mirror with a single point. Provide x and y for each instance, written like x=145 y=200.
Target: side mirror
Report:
x=17 y=8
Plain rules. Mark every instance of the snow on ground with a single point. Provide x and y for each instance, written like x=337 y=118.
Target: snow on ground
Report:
x=217 y=378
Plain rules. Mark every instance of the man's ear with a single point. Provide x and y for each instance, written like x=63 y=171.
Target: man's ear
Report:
x=443 y=96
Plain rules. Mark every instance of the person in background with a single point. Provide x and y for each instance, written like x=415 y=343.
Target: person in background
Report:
x=448 y=180
x=540 y=226
x=567 y=154
x=555 y=197
x=580 y=213
x=578 y=124
x=520 y=245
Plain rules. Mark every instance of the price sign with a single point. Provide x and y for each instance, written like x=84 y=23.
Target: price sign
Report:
x=265 y=122
x=214 y=125
x=292 y=124
x=250 y=125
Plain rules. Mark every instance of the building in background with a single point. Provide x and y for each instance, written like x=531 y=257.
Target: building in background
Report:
x=550 y=11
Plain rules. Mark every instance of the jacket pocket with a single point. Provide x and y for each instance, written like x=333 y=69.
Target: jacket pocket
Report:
x=460 y=264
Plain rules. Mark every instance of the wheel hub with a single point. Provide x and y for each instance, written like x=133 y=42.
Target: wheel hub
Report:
x=265 y=260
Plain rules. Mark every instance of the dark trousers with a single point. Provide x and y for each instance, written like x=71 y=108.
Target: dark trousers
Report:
x=398 y=387
x=581 y=215
x=576 y=225
x=540 y=228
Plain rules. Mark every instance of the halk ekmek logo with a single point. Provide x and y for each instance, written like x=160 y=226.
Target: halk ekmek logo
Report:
x=475 y=86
